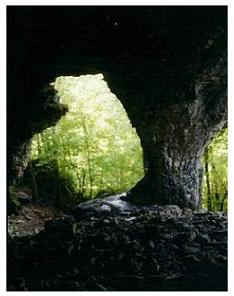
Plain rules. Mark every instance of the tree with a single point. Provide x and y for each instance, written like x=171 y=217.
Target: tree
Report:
x=215 y=190
x=94 y=144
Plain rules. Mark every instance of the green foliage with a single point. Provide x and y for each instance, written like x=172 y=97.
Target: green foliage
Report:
x=94 y=144
x=215 y=183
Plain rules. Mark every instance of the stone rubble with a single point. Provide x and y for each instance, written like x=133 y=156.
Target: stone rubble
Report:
x=150 y=248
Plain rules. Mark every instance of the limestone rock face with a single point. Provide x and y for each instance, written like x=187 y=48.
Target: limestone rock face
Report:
x=174 y=136
x=167 y=65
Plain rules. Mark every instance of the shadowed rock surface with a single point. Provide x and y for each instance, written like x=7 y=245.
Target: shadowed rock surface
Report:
x=154 y=248
x=167 y=65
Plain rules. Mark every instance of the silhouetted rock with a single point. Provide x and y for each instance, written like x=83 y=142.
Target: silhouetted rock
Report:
x=152 y=248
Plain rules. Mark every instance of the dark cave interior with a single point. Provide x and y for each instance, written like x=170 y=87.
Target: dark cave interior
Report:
x=168 y=67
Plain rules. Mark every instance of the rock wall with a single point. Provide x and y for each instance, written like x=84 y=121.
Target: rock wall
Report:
x=26 y=119
x=166 y=64
x=174 y=136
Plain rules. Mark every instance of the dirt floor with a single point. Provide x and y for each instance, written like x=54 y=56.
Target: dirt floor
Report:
x=31 y=219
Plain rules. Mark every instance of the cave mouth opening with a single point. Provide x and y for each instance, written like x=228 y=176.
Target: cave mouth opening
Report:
x=93 y=151
x=215 y=176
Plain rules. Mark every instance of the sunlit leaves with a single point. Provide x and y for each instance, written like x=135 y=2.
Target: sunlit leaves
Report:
x=216 y=174
x=95 y=141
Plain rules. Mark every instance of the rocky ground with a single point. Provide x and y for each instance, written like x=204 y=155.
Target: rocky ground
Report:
x=111 y=245
x=31 y=218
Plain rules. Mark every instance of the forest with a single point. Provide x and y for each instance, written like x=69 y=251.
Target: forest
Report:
x=215 y=180
x=94 y=151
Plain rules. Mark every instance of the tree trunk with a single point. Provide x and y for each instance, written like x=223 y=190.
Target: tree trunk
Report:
x=34 y=187
x=223 y=199
x=207 y=174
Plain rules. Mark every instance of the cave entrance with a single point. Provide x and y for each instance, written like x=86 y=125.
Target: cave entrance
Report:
x=92 y=151
x=215 y=178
